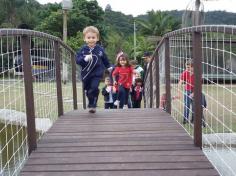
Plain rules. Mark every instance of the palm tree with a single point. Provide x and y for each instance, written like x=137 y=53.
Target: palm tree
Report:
x=158 y=23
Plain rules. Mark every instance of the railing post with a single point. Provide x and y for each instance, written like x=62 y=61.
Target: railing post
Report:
x=167 y=75
x=29 y=95
x=58 y=78
x=151 y=84
x=74 y=81
x=84 y=97
x=197 y=103
x=157 y=79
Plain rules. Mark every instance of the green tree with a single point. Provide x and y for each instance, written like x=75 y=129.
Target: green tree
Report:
x=76 y=42
x=18 y=11
x=84 y=13
x=158 y=23
x=52 y=24
x=119 y=22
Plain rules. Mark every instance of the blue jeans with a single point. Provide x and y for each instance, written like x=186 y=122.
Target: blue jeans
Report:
x=123 y=95
x=187 y=102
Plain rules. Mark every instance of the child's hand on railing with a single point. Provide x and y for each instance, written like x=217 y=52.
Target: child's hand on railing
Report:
x=175 y=97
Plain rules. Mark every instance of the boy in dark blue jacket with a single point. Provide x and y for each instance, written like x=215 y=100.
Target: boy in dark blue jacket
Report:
x=93 y=60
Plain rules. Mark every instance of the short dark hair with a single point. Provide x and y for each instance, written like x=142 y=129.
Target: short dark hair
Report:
x=147 y=54
x=133 y=62
x=138 y=80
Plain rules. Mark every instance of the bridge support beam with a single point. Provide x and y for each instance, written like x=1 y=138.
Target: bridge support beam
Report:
x=58 y=79
x=157 y=79
x=29 y=95
x=167 y=75
x=197 y=103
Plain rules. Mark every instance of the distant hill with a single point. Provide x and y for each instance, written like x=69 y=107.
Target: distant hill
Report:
x=119 y=22
x=211 y=17
x=124 y=23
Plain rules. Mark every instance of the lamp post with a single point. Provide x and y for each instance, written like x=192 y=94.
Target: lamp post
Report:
x=196 y=14
x=66 y=5
x=134 y=41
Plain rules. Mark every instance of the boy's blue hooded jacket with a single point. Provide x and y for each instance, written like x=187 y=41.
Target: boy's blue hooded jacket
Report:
x=95 y=67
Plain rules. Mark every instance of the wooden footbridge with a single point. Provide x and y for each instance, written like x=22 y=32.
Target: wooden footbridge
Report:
x=117 y=142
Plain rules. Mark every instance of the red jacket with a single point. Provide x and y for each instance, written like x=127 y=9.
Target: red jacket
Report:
x=188 y=79
x=125 y=75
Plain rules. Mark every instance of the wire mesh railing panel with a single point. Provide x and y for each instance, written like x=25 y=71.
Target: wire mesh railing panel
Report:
x=44 y=83
x=79 y=88
x=13 y=136
x=66 y=75
x=162 y=80
x=154 y=78
x=147 y=89
x=219 y=76
x=30 y=92
x=218 y=95
x=180 y=53
x=67 y=57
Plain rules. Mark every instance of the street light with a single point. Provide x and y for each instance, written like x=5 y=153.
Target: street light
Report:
x=134 y=41
x=66 y=5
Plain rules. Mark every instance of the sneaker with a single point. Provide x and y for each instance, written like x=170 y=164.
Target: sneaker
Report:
x=192 y=121
x=92 y=110
x=185 y=121
x=116 y=103
x=125 y=107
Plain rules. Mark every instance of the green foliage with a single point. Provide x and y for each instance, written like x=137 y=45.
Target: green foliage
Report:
x=84 y=13
x=18 y=11
x=157 y=23
x=46 y=10
x=76 y=42
x=115 y=42
x=215 y=17
x=119 y=22
x=52 y=24
x=211 y=17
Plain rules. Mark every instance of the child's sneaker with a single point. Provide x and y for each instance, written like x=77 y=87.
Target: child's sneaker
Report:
x=125 y=107
x=92 y=110
x=116 y=103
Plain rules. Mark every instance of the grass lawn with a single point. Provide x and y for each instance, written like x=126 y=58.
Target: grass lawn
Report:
x=220 y=113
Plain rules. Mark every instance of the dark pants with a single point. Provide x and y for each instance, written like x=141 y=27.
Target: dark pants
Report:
x=204 y=104
x=92 y=91
x=109 y=105
x=123 y=95
x=136 y=103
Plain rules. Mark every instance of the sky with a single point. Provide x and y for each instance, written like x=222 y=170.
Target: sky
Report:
x=138 y=7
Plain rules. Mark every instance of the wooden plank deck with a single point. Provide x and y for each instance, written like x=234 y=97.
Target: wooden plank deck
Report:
x=133 y=142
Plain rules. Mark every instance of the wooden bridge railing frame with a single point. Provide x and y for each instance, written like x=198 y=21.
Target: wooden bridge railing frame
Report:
x=28 y=81
x=196 y=32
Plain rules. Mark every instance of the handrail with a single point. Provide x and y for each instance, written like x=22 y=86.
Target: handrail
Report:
x=21 y=32
x=46 y=98
x=212 y=50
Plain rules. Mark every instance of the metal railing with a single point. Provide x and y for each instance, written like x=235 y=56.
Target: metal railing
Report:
x=212 y=49
x=38 y=83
